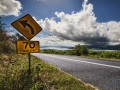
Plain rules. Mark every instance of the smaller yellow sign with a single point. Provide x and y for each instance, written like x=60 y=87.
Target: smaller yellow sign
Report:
x=28 y=47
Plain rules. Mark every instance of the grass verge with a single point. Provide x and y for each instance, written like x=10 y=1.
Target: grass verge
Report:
x=103 y=55
x=14 y=75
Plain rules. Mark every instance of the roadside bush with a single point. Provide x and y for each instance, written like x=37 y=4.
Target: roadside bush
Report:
x=78 y=50
x=81 y=50
x=84 y=50
x=105 y=54
x=7 y=47
x=3 y=35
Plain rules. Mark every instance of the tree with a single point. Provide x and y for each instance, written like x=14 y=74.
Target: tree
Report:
x=3 y=35
x=6 y=46
x=81 y=50
x=84 y=50
x=19 y=37
x=78 y=50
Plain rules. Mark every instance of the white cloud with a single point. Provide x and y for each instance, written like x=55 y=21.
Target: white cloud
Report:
x=113 y=31
x=55 y=41
x=82 y=27
x=10 y=7
x=11 y=33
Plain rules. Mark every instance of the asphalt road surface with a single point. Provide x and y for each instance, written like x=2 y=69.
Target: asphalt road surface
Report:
x=100 y=73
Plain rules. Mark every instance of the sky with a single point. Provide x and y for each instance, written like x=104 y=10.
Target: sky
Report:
x=66 y=23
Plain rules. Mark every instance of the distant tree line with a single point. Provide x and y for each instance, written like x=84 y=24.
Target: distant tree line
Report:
x=82 y=50
x=78 y=50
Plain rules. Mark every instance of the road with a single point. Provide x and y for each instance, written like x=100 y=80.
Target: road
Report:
x=103 y=74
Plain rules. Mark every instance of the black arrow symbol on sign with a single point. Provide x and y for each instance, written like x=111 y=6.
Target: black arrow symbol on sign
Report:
x=24 y=24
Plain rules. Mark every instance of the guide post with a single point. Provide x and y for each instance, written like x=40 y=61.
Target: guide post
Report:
x=29 y=61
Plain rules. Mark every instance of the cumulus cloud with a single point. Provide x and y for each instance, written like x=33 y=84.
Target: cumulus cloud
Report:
x=82 y=27
x=10 y=7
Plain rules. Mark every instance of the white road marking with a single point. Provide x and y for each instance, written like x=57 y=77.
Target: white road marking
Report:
x=105 y=65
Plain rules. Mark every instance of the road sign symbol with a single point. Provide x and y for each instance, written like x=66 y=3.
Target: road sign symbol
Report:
x=24 y=23
x=28 y=47
x=27 y=26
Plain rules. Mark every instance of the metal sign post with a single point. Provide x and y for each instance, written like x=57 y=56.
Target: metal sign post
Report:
x=29 y=64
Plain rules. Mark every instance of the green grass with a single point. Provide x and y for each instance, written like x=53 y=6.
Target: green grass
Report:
x=109 y=55
x=14 y=75
x=113 y=55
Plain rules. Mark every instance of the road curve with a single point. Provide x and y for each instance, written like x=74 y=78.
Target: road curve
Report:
x=103 y=74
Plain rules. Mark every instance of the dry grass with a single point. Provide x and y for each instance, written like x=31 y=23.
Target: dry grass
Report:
x=14 y=75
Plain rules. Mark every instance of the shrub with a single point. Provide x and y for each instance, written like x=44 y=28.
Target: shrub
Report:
x=84 y=50
x=81 y=50
x=78 y=50
x=7 y=47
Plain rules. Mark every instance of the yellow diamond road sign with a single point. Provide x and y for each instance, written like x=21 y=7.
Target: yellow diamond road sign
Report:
x=27 y=26
x=28 y=47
